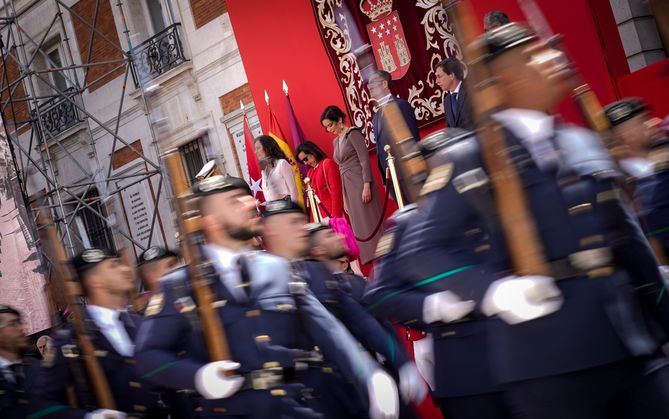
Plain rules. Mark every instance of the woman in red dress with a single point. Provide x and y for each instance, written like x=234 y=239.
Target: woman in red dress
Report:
x=325 y=179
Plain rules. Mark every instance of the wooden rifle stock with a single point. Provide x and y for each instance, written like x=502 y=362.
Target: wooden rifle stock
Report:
x=63 y=273
x=191 y=239
x=521 y=235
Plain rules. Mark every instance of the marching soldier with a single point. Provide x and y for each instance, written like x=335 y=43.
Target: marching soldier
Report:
x=62 y=389
x=644 y=157
x=152 y=264
x=265 y=312
x=287 y=234
x=588 y=326
x=17 y=372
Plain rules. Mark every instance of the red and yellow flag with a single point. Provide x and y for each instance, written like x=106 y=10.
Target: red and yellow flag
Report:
x=275 y=132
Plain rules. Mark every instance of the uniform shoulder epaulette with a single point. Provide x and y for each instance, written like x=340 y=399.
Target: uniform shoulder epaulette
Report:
x=583 y=152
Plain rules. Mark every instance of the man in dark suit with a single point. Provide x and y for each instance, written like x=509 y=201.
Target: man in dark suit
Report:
x=379 y=88
x=457 y=108
x=16 y=372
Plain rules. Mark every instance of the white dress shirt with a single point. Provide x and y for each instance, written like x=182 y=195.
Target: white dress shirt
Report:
x=112 y=328
x=225 y=261
x=5 y=365
x=279 y=181
x=535 y=130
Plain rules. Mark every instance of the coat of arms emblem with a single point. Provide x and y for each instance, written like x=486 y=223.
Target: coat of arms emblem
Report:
x=387 y=37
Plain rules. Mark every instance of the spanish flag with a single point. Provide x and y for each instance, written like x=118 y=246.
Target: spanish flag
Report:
x=278 y=135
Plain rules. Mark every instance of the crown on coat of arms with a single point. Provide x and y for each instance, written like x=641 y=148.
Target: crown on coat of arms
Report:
x=375 y=8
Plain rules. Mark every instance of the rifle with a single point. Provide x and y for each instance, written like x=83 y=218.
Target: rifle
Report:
x=520 y=231
x=63 y=273
x=192 y=237
x=586 y=99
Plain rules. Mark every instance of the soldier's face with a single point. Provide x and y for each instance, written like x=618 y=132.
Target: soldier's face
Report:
x=235 y=212
x=12 y=337
x=331 y=243
x=636 y=134
x=287 y=233
x=112 y=275
x=152 y=271
x=535 y=77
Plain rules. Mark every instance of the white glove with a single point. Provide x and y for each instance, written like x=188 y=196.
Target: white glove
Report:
x=383 y=398
x=105 y=414
x=519 y=299
x=412 y=385
x=445 y=307
x=212 y=383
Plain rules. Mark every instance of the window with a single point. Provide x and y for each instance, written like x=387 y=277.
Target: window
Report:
x=92 y=228
x=156 y=16
x=54 y=62
x=194 y=157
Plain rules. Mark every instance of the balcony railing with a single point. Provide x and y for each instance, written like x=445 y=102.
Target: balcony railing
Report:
x=58 y=114
x=157 y=55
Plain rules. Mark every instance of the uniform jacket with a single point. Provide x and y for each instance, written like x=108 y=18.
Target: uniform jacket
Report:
x=14 y=397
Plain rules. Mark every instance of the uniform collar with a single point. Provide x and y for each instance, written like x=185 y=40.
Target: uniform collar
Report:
x=103 y=316
x=527 y=124
x=225 y=257
x=6 y=363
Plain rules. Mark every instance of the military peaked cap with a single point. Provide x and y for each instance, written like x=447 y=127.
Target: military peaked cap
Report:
x=218 y=184
x=155 y=253
x=282 y=206
x=624 y=110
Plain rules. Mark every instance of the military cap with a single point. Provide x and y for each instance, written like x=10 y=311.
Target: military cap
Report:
x=90 y=258
x=440 y=139
x=218 y=184
x=207 y=170
x=281 y=206
x=624 y=110
x=155 y=253
x=313 y=228
x=504 y=38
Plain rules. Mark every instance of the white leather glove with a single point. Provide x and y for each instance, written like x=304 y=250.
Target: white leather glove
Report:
x=445 y=307
x=412 y=385
x=383 y=398
x=519 y=299
x=212 y=383
x=105 y=414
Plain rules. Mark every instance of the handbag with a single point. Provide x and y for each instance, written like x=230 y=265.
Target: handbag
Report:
x=340 y=225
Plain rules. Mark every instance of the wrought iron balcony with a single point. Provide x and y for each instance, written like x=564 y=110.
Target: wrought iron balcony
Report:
x=157 y=55
x=58 y=114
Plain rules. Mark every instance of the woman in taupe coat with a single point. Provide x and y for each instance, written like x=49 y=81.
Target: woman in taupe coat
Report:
x=362 y=200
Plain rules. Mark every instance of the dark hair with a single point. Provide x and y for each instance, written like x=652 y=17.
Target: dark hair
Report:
x=333 y=114
x=452 y=66
x=271 y=148
x=5 y=309
x=308 y=147
x=494 y=18
x=384 y=76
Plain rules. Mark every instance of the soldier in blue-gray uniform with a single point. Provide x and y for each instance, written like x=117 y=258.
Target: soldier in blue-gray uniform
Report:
x=266 y=314
x=17 y=371
x=287 y=234
x=582 y=342
x=105 y=281
x=643 y=154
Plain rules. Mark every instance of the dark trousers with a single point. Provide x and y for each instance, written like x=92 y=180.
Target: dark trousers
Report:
x=633 y=389
x=480 y=406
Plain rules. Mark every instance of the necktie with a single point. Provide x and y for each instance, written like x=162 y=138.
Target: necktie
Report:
x=454 y=104
x=244 y=275
x=17 y=372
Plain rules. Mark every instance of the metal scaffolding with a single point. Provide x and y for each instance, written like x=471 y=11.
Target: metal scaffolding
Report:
x=39 y=124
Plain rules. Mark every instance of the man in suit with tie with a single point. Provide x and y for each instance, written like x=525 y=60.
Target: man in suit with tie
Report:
x=457 y=108
x=379 y=88
x=16 y=372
